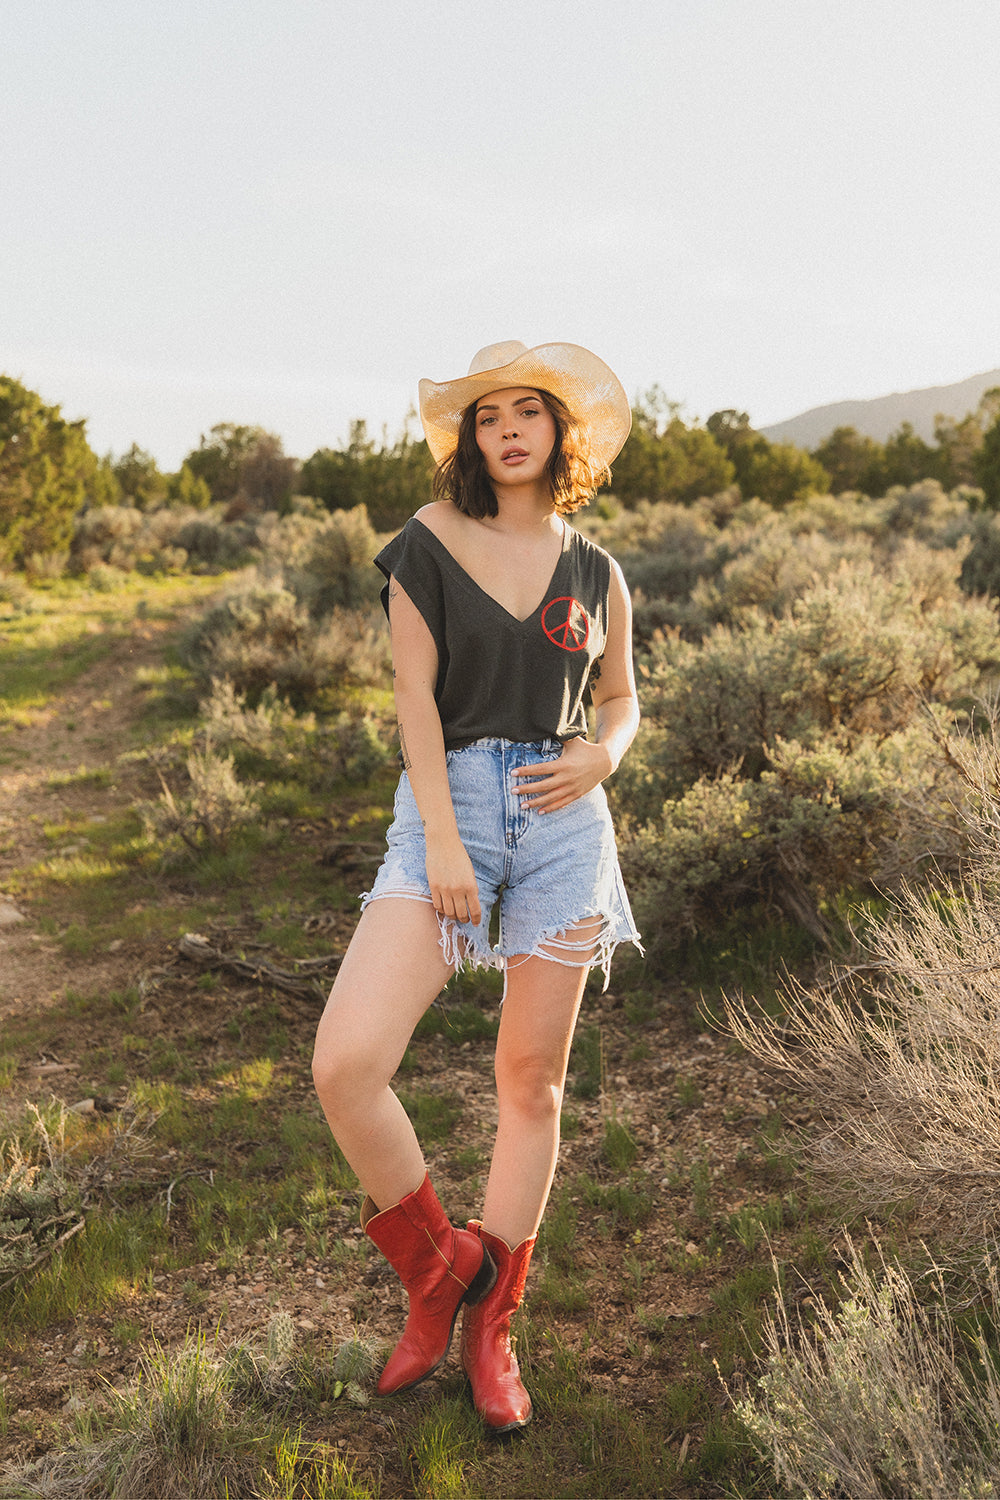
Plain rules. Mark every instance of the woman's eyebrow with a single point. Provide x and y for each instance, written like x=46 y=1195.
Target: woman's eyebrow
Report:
x=491 y=406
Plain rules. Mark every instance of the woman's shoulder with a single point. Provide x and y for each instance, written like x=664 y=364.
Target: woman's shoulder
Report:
x=441 y=518
x=412 y=534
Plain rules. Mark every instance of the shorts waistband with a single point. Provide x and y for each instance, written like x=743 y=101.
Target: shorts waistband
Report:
x=495 y=742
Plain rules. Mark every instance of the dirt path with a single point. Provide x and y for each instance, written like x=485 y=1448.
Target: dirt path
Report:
x=83 y=728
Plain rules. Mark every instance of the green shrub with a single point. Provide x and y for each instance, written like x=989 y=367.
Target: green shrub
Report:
x=310 y=624
x=270 y=728
x=169 y=538
x=854 y=656
x=333 y=569
x=212 y=542
x=263 y=636
x=353 y=744
x=215 y=806
x=789 y=841
x=786 y=758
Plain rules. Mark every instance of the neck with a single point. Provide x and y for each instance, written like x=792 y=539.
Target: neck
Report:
x=524 y=509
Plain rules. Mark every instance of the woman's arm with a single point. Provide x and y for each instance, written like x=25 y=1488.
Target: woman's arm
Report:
x=585 y=763
x=414 y=669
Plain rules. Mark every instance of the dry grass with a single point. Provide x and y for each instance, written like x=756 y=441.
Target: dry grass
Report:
x=877 y=1397
x=902 y=1055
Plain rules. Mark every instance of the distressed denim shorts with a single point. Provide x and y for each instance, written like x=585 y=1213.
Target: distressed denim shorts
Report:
x=548 y=871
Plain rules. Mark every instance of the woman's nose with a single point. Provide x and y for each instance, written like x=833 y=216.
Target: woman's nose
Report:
x=510 y=431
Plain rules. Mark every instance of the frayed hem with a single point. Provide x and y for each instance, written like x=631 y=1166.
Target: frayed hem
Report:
x=599 y=948
x=401 y=895
x=461 y=951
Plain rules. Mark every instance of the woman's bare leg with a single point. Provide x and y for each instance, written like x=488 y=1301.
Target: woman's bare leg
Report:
x=536 y=1031
x=389 y=976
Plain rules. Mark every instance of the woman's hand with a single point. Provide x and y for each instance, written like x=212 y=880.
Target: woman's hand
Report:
x=556 y=783
x=452 y=880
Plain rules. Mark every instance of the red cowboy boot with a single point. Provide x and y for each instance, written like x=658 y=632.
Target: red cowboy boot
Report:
x=487 y=1355
x=440 y=1266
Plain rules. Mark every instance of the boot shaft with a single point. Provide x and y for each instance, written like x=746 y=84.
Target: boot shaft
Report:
x=488 y=1356
x=419 y=1241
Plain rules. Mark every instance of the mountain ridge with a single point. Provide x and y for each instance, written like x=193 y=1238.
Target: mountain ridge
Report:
x=881 y=416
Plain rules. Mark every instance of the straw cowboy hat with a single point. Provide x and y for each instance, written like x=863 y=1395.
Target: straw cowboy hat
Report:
x=594 y=395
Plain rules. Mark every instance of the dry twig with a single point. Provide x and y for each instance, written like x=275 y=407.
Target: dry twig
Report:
x=311 y=976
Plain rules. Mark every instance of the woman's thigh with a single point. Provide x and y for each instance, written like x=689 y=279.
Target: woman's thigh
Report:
x=539 y=1014
x=391 y=973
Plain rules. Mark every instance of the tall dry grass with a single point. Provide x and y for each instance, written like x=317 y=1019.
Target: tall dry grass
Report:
x=901 y=1055
x=879 y=1396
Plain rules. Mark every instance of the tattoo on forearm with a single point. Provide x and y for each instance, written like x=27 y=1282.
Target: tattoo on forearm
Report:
x=403 y=752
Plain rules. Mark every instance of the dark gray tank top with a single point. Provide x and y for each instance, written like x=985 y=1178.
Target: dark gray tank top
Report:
x=497 y=675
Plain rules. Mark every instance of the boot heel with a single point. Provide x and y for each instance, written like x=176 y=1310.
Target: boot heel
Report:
x=483 y=1282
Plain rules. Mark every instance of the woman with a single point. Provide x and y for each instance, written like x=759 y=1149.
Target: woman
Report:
x=502 y=618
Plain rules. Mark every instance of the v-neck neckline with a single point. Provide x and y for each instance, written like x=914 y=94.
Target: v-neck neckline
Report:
x=464 y=572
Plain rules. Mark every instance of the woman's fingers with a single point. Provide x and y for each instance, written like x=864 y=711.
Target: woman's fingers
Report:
x=452 y=880
x=549 y=785
x=462 y=905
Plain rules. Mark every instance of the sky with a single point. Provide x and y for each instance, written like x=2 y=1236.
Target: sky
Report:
x=285 y=212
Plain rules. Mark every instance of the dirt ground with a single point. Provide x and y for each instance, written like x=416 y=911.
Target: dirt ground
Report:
x=687 y=1097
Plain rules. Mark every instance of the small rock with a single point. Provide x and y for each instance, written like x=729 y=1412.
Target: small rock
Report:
x=9 y=914
x=84 y=1107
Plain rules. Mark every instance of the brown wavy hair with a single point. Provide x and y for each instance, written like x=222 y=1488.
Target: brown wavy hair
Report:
x=573 y=475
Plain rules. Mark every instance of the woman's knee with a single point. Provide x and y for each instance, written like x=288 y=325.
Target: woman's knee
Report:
x=531 y=1084
x=342 y=1070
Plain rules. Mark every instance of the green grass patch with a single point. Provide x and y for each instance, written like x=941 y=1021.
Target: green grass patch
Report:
x=83 y=776
x=625 y=1204
x=69 y=628
x=458 y=1023
x=586 y=1063
x=754 y=960
x=434 y=1116
x=619 y=1148
x=213 y=1420
x=101 y=1268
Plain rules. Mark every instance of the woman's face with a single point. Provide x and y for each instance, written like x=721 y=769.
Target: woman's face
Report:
x=515 y=433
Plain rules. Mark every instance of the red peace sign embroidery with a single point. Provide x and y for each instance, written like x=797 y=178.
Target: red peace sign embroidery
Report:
x=566 y=623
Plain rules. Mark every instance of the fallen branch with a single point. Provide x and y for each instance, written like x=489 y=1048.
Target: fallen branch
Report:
x=311 y=976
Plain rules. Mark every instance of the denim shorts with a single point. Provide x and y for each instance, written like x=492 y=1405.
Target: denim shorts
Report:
x=548 y=871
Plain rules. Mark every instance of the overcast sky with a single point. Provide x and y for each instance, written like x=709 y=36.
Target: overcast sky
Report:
x=286 y=211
